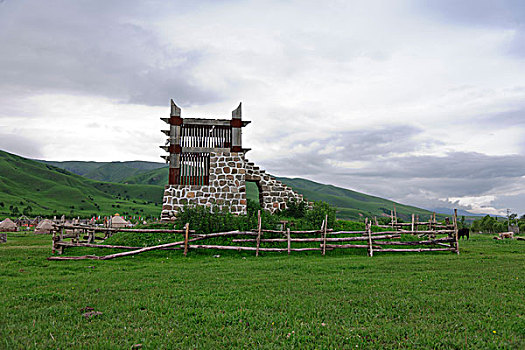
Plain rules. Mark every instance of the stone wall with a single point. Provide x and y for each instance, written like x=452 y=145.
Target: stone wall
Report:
x=227 y=188
x=273 y=194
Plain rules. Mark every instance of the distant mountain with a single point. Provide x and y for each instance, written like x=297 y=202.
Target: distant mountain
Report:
x=461 y=212
x=107 y=171
x=351 y=204
x=38 y=188
x=49 y=187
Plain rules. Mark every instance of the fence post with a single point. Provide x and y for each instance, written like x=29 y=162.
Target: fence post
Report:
x=456 y=230
x=259 y=229
x=289 y=240
x=186 y=234
x=392 y=219
x=395 y=212
x=53 y=241
x=413 y=217
x=369 y=231
x=325 y=226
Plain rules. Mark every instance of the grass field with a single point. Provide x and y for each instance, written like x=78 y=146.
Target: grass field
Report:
x=342 y=300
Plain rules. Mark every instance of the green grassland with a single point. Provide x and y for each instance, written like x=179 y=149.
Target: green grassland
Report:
x=304 y=301
x=48 y=190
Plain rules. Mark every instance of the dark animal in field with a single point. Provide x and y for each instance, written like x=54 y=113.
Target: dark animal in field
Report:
x=464 y=232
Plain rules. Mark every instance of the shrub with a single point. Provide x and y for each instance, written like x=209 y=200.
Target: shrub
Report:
x=294 y=209
x=317 y=214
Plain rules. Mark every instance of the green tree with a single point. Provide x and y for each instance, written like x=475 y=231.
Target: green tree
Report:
x=14 y=210
x=27 y=210
x=317 y=214
x=295 y=209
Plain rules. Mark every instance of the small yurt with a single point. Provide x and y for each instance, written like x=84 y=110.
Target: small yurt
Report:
x=8 y=226
x=118 y=221
x=23 y=221
x=45 y=227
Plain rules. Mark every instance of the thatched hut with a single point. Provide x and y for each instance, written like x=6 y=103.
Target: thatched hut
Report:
x=8 y=226
x=118 y=221
x=45 y=227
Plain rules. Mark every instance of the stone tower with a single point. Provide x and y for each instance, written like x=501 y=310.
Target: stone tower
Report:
x=207 y=166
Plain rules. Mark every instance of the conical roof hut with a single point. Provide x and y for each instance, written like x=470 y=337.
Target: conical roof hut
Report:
x=118 y=221
x=45 y=227
x=8 y=226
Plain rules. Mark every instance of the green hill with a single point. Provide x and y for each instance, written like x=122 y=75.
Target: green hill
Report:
x=351 y=204
x=136 y=188
x=38 y=188
x=107 y=171
x=152 y=177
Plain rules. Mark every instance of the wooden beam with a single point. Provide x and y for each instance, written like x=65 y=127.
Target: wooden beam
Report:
x=186 y=236
x=259 y=228
x=289 y=241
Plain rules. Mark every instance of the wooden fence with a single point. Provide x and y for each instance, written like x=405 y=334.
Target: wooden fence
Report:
x=439 y=237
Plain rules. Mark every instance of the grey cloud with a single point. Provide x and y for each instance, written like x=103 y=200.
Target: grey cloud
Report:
x=20 y=145
x=515 y=117
x=416 y=180
x=77 y=47
x=379 y=142
x=511 y=201
x=505 y=13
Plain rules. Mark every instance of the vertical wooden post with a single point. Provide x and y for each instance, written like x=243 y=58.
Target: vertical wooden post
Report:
x=375 y=220
x=289 y=240
x=54 y=238
x=413 y=218
x=368 y=227
x=395 y=212
x=322 y=230
x=186 y=234
x=259 y=230
x=324 y=233
x=456 y=230
x=392 y=219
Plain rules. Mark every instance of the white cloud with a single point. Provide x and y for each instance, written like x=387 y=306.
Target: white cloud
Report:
x=320 y=83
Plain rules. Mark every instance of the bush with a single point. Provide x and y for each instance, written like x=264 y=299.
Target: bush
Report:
x=294 y=209
x=317 y=215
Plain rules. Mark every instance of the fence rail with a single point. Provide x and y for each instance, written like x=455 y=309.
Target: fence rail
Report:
x=323 y=239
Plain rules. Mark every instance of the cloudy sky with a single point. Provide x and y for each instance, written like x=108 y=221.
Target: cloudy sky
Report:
x=422 y=102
